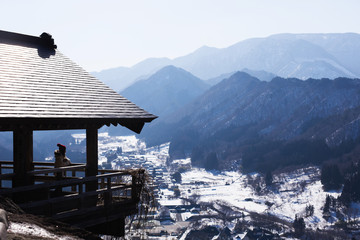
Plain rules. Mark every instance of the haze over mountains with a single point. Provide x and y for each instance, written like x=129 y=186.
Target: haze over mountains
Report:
x=286 y=55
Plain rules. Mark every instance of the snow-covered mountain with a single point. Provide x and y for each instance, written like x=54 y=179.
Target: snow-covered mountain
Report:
x=286 y=55
x=280 y=56
x=344 y=47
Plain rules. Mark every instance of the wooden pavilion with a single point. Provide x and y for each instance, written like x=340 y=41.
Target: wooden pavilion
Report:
x=41 y=89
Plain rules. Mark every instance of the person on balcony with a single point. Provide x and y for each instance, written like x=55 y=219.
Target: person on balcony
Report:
x=60 y=159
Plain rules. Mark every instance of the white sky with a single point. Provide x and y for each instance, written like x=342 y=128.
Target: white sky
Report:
x=100 y=34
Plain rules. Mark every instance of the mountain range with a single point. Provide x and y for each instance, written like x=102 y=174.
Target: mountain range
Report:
x=242 y=113
x=280 y=108
x=301 y=56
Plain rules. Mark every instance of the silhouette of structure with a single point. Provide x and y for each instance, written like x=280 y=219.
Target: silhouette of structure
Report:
x=41 y=89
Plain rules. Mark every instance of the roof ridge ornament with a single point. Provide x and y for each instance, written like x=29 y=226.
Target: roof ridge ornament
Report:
x=47 y=40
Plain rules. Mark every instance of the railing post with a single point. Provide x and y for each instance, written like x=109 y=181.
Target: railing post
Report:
x=108 y=193
x=102 y=184
x=0 y=174
x=73 y=174
x=58 y=177
x=137 y=184
x=81 y=198
x=134 y=189
x=80 y=188
x=48 y=206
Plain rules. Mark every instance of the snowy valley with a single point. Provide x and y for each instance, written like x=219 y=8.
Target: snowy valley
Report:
x=228 y=202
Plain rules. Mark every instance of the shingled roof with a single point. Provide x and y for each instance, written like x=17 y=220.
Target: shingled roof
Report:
x=43 y=89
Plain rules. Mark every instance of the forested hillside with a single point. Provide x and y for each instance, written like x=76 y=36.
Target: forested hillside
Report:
x=266 y=124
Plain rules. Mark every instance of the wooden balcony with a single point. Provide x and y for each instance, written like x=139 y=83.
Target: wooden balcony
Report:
x=66 y=194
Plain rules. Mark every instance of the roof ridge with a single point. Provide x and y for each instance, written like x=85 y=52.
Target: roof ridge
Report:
x=45 y=39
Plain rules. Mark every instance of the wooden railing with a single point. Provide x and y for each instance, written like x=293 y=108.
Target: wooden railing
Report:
x=43 y=171
x=9 y=167
x=63 y=192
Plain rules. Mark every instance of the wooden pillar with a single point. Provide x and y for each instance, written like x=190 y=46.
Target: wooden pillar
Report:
x=23 y=157
x=91 y=151
x=91 y=156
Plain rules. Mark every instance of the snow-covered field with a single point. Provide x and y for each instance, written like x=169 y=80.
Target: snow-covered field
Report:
x=227 y=186
x=291 y=194
x=34 y=231
x=297 y=190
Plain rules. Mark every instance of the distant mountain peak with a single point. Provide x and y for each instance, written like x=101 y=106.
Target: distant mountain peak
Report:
x=206 y=48
x=170 y=68
x=153 y=60
x=166 y=90
x=204 y=51
x=242 y=75
x=172 y=73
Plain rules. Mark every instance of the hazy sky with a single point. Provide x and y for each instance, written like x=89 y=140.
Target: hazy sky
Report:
x=100 y=34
